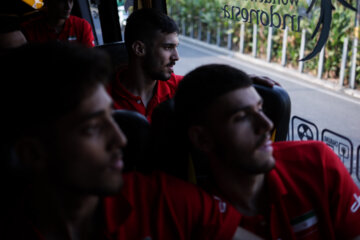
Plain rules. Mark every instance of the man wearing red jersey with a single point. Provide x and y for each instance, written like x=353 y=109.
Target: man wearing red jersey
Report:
x=56 y=23
x=70 y=149
x=285 y=190
x=151 y=39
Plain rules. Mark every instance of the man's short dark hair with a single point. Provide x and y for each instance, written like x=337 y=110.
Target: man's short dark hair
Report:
x=202 y=86
x=46 y=81
x=143 y=25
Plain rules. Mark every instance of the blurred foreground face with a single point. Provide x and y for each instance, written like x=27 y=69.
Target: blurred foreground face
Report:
x=12 y=39
x=240 y=132
x=87 y=156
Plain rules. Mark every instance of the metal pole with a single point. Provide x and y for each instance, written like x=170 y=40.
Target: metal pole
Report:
x=178 y=22
x=218 y=35
x=254 y=47
x=269 y=45
x=283 y=54
x=183 y=27
x=302 y=50
x=353 y=63
x=343 y=62
x=321 y=63
x=354 y=47
x=199 y=30
x=242 y=38
x=192 y=30
x=208 y=35
x=229 y=40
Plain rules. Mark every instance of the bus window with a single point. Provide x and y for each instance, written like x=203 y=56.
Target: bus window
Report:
x=269 y=38
x=124 y=8
x=310 y=49
x=96 y=22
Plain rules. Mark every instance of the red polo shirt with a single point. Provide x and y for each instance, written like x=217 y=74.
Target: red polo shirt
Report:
x=163 y=207
x=123 y=99
x=312 y=196
x=149 y=207
x=75 y=30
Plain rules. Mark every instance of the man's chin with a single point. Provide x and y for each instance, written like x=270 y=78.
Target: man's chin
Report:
x=269 y=164
x=164 y=77
x=266 y=164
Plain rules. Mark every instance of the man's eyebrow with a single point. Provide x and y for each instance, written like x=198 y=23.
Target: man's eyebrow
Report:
x=95 y=114
x=170 y=44
x=236 y=110
x=86 y=117
x=243 y=108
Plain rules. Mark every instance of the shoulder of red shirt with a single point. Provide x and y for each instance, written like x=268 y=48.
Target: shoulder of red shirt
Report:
x=169 y=86
x=78 y=20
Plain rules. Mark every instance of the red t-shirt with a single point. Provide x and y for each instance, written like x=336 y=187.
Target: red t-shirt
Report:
x=123 y=99
x=312 y=195
x=149 y=207
x=164 y=207
x=75 y=30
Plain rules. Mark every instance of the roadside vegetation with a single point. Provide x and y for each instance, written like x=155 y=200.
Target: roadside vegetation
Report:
x=210 y=16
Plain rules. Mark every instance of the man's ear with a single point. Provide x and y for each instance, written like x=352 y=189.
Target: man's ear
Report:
x=138 y=48
x=31 y=153
x=200 y=138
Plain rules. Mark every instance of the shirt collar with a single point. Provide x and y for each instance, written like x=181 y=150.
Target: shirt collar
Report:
x=116 y=209
x=276 y=184
x=161 y=91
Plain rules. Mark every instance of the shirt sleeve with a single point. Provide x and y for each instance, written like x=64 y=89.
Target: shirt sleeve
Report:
x=204 y=216
x=87 y=38
x=344 y=197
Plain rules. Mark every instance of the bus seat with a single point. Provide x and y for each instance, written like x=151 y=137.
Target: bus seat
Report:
x=117 y=52
x=170 y=150
x=167 y=145
x=277 y=106
x=137 y=130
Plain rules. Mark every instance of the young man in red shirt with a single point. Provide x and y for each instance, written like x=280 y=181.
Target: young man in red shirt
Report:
x=70 y=150
x=56 y=23
x=151 y=40
x=284 y=190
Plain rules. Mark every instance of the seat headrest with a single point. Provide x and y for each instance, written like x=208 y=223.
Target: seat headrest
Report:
x=117 y=52
x=171 y=152
x=137 y=130
x=277 y=106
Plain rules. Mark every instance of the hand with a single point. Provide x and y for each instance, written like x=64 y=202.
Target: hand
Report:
x=263 y=80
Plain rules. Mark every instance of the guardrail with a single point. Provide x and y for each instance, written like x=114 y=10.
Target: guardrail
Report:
x=225 y=37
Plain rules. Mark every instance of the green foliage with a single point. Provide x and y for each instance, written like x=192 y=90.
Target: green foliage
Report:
x=210 y=13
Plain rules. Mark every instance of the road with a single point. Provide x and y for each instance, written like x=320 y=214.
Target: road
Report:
x=323 y=108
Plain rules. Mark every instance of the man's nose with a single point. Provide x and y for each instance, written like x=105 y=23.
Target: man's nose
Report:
x=175 y=56
x=119 y=137
x=262 y=123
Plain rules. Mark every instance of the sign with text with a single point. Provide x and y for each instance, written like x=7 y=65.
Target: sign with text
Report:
x=273 y=14
x=341 y=145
